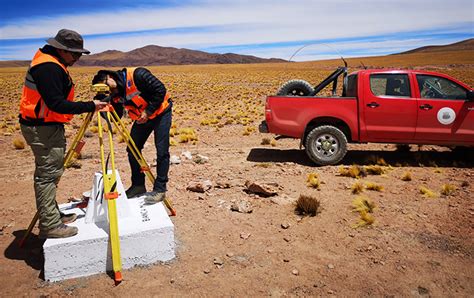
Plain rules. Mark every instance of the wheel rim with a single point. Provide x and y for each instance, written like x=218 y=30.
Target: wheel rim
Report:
x=326 y=146
x=298 y=92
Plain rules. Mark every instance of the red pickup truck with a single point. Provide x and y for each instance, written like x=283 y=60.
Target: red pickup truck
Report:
x=379 y=106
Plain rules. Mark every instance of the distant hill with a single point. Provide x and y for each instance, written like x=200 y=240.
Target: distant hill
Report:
x=467 y=44
x=157 y=55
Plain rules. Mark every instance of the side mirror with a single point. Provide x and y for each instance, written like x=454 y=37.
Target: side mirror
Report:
x=470 y=95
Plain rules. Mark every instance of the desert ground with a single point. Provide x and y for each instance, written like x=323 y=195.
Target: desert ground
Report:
x=418 y=245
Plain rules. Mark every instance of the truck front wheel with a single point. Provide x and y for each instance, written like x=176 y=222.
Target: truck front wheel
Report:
x=326 y=145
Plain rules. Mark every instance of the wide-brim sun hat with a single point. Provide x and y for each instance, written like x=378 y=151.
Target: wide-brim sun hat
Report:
x=68 y=40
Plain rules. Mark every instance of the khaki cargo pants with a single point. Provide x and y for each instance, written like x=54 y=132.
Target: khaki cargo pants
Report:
x=48 y=144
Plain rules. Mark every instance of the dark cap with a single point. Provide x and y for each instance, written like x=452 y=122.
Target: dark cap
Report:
x=68 y=40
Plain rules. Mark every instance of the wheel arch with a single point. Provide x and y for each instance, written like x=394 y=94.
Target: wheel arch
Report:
x=333 y=121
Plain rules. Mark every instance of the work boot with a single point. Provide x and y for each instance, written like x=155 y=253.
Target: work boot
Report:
x=135 y=191
x=154 y=197
x=61 y=231
x=68 y=218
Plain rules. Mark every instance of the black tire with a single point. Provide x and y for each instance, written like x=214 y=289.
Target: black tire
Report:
x=462 y=150
x=326 y=145
x=296 y=88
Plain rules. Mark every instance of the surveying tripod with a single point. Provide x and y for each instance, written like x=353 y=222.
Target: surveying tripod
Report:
x=109 y=177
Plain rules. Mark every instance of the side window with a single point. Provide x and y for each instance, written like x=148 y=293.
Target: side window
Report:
x=437 y=87
x=390 y=85
x=351 y=86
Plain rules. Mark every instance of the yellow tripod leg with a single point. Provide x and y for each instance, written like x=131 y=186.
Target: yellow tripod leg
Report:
x=77 y=143
x=73 y=151
x=28 y=231
x=110 y=194
x=138 y=156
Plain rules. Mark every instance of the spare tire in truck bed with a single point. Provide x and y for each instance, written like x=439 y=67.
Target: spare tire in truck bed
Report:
x=296 y=88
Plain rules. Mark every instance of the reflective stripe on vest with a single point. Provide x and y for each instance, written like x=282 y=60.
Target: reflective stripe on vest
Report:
x=136 y=104
x=32 y=106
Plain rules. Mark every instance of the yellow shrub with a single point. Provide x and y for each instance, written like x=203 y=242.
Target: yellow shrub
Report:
x=427 y=192
x=448 y=189
x=19 y=144
x=406 y=176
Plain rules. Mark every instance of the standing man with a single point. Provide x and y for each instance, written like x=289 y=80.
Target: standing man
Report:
x=46 y=104
x=149 y=105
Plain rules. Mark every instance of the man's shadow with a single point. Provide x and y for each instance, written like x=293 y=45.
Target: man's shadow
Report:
x=31 y=252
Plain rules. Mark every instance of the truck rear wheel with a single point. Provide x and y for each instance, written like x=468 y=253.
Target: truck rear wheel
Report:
x=296 y=88
x=326 y=145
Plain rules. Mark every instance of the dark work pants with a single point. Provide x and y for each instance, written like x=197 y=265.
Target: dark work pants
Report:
x=160 y=125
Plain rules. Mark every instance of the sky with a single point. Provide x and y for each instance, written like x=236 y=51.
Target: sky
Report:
x=313 y=29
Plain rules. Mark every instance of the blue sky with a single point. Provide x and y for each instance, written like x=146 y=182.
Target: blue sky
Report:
x=267 y=28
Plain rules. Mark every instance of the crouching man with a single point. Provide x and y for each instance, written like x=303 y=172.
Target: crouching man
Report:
x=149 y=105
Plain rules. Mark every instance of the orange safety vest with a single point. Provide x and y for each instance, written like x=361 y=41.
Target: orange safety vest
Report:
x=134 y=103
x=32 y=106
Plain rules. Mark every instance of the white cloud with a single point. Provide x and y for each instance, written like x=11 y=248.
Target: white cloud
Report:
x=250 y=22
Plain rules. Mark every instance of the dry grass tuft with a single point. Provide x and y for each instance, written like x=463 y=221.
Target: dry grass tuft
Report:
x=120 y=139
x=313 y=181
x=375 y=170
x=353 y=171
x=248 y=130
x=357 y=188
x=19 y=144
x=263 y=165
x=173 y=142
x=374 y=159
x=265 y=141
x=364 y=207
x=428 y=193
x=362 y=203
x=373 y=186
x=406 y=176
x=448 y=189
x=307 y=205
x=187 y=135
x=94 y=129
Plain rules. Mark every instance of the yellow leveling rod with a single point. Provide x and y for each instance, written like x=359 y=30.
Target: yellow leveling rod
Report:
x=111 y=194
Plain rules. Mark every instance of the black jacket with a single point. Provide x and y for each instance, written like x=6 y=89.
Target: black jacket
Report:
x=151 y=89
x=53 y=85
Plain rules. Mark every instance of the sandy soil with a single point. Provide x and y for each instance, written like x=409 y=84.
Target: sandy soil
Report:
x=417 y=245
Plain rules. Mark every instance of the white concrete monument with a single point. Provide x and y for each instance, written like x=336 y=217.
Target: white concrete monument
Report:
x=146 y=236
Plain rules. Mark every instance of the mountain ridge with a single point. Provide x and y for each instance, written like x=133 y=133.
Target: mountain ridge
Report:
x=153 y=55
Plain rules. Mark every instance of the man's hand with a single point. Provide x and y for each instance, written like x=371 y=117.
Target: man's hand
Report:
x=143 y=118
x=99 y=104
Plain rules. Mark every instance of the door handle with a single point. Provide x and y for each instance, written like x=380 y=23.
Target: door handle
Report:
x=373 y=105
x=426 y=107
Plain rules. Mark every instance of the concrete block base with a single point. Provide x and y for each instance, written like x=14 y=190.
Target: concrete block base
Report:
x=146 y=237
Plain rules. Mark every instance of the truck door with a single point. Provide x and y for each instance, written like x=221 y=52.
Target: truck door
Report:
x=444 y=114
x=389 y=108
